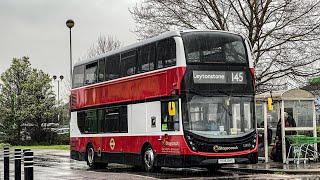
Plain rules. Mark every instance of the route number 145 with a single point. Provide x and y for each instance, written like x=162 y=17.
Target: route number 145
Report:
x=237 y=77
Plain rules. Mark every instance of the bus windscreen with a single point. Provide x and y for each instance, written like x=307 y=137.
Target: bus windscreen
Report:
x=214 y=47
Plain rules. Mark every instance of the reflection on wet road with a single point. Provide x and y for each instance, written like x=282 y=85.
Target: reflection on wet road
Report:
x=54 y=165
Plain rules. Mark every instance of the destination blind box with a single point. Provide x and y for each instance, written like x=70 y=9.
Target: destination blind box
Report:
x=219 y=77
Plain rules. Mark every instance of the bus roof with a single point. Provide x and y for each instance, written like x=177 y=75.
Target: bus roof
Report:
x=144 y=42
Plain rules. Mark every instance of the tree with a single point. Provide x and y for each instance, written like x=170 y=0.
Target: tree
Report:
x=11 y=98
x=39 y=104
x=27 y=100
x=103 y=45
x=284 y=33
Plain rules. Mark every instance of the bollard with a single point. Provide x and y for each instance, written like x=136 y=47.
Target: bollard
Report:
x=6 y=154
x=28 y=165
x=23 y=151
x=17 y=164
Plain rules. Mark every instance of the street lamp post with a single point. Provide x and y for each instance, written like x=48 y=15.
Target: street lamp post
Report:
x=70 y=24
x=58 y=81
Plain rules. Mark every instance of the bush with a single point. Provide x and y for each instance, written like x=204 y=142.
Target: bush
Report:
x=62 y=139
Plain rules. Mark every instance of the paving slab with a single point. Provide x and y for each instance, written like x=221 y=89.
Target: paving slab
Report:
x=275 y=167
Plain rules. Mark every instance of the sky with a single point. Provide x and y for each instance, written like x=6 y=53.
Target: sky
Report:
x=36 y=28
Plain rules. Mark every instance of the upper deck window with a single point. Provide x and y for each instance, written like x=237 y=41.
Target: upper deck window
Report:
x=113 y=67
x=166 y=53
x=128 y=62
x=146 y=58
x=214 y=47
x=78 y=76
x=101 y=70
x=91 y=73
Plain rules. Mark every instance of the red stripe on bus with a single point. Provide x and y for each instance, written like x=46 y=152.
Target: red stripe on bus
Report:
x=140 y=87
x=174 y=145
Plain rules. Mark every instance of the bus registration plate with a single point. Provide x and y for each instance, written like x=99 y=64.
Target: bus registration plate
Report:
x=226 y=161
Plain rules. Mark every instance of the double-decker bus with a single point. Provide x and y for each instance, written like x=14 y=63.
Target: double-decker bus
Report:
x=181 y=99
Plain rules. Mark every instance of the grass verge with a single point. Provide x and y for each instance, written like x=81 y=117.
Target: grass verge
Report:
x=49 y=147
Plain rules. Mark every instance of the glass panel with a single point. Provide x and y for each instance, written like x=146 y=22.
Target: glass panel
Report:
x=259 y=114
x=91 y=122
x=81 y=120
x=169 y=123
x=166 y=53
x=78 y=76
x=247 y=117
x=112 y=120
x=214 y=47
x=220 y=116
x=123 y=123
x=101 y=73
x=146 y=58
x=113 y=67
x=101 y=120
x=128 y=63
x=301 y=111
x=236 y=119
x=91 y=73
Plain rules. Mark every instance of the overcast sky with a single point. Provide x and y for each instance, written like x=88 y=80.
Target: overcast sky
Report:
x=36 y=28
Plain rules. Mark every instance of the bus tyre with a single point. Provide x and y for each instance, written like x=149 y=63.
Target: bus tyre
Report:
x=148 y=160
x=91 y=159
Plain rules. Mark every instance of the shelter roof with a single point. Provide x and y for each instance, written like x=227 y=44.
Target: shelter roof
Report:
x=294 y=94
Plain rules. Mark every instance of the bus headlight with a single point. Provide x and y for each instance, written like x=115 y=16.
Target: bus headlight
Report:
x=253 y=146
x=193 y=146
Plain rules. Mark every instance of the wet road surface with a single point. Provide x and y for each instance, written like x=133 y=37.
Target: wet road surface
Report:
x=54 y=165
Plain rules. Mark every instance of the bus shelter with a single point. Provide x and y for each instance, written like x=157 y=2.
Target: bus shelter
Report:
x=298 y=103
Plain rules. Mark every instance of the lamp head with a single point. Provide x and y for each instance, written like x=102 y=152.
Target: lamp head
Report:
x=70 y=23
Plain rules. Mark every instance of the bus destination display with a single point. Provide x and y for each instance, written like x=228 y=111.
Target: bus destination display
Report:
x=219 y=77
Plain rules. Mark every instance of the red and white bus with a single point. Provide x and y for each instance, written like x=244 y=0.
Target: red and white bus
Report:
x=181 y=99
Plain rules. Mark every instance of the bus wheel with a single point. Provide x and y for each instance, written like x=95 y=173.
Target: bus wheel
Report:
x=91 y=159
x=148 y=160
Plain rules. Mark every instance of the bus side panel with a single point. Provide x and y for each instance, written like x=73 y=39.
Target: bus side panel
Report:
x=140 y=87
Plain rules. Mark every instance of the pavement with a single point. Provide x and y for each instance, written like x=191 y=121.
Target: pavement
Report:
x=276 y=167
x=56 y=165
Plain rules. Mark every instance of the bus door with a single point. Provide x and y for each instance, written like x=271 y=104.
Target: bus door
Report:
x=169 y=125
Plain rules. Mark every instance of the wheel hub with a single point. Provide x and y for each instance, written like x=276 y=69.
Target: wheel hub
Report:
x=149 y=158
x=90 y=155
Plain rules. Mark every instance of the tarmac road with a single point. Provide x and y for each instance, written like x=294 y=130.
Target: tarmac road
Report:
x=56 y=165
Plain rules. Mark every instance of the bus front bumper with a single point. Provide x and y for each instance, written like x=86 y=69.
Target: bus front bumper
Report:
x=202 y=161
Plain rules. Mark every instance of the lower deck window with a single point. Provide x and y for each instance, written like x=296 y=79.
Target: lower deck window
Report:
x=103 y=120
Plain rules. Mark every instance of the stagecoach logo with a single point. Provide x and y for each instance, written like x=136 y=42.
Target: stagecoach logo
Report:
x=217 y=148
x=168 y=143
x=112 y=143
